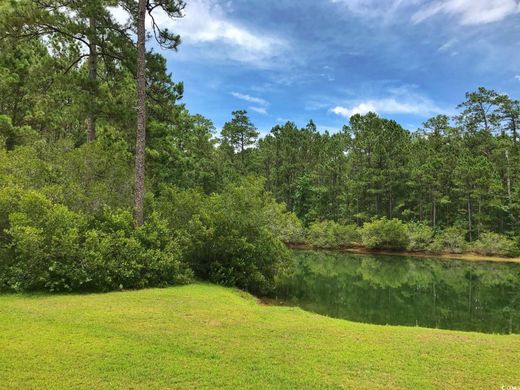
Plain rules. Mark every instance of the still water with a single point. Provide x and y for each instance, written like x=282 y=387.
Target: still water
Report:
x=403 y=290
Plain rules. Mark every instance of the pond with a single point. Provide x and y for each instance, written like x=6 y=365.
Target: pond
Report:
x=404 y=290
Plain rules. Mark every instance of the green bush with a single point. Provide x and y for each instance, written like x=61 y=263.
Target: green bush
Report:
x=46 y=246
x=321 y=234
x=43 y=242
x=330 y=234
x=284 y=225
x=348 y=235
x=450 y=240
x=420 y=236
x=120 y=256
x=490 y=244
x=231 y=242
x=385 y=234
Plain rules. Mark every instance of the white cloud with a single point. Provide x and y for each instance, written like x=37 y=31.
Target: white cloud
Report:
x=448 y=48
x=260 y=104
x=250 y=99
x=401 y=101
x=119 y=14
x=361 y=108
x=448 y=45
x=260 y=110
x=205 y=23
x=517 y=77
x=469 y=12
x=374 y=8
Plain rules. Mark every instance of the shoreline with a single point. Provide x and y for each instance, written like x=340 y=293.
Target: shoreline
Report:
x=468 y=256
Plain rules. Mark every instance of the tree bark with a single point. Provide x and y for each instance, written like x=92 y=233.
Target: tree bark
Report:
x=92 y=78
x=434 y=211
x=508 y=177
x=479 y=222
x=242 y=149
x=390 y=205
x=141 y=117
x=513 y=129
x=469 y=218
x=484 y=116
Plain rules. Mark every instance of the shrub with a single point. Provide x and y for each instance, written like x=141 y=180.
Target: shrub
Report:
x=231 y=241
x=322 y=234
x=450 y=240
x=183 y=210
x=46 y=246
x=329 y=234
x=284 y=225
x=495 y=244
x=385 y=234
x=348 y=235
x=420 y=236
x=120 y=256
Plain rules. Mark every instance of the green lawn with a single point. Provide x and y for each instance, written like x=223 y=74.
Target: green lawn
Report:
x=203 y=336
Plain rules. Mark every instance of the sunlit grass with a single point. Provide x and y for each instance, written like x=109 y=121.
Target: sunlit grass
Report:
x=204 y=336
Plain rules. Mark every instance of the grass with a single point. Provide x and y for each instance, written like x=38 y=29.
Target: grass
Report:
x=204 y=336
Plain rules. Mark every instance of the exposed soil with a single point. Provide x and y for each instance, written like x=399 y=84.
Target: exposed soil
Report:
x=467 y=256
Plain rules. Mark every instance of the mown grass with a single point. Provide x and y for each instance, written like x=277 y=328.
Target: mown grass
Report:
x=204 y=336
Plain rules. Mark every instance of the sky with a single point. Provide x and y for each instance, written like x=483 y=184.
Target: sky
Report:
x=326 y=60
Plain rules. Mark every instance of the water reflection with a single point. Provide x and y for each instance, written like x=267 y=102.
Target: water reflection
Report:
x=399 y=290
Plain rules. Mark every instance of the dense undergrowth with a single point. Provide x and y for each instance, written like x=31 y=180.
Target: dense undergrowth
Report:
x=50 y=241
x=393 y=234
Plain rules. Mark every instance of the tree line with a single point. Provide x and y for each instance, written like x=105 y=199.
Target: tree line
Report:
x=461 y=171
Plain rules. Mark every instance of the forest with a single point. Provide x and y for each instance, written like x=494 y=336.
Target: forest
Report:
x=108 y=182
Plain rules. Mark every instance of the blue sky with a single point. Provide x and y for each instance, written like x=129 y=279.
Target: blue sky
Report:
x=328 y=59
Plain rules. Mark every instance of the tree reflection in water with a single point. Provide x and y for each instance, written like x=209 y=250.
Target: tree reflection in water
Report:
x=399 y=290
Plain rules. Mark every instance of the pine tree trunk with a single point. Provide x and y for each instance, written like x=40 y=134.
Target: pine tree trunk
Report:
x=92 y=78
x=242 y=151
x=469 y=218
x=357 y=210
x=141 y=117
x=390 y=205
x=508 y=177
x=513 y=129
x=479 y=223
x=434 y=211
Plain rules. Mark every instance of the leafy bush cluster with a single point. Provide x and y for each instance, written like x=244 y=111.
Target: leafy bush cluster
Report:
x=66 y=224
x=385 y=234
x=232 y=237
x=225 y=238
x=495 y=244
x=420 y=237
x=47 y=246
x=394 y=234
x=330 y=234
x=449 y=240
